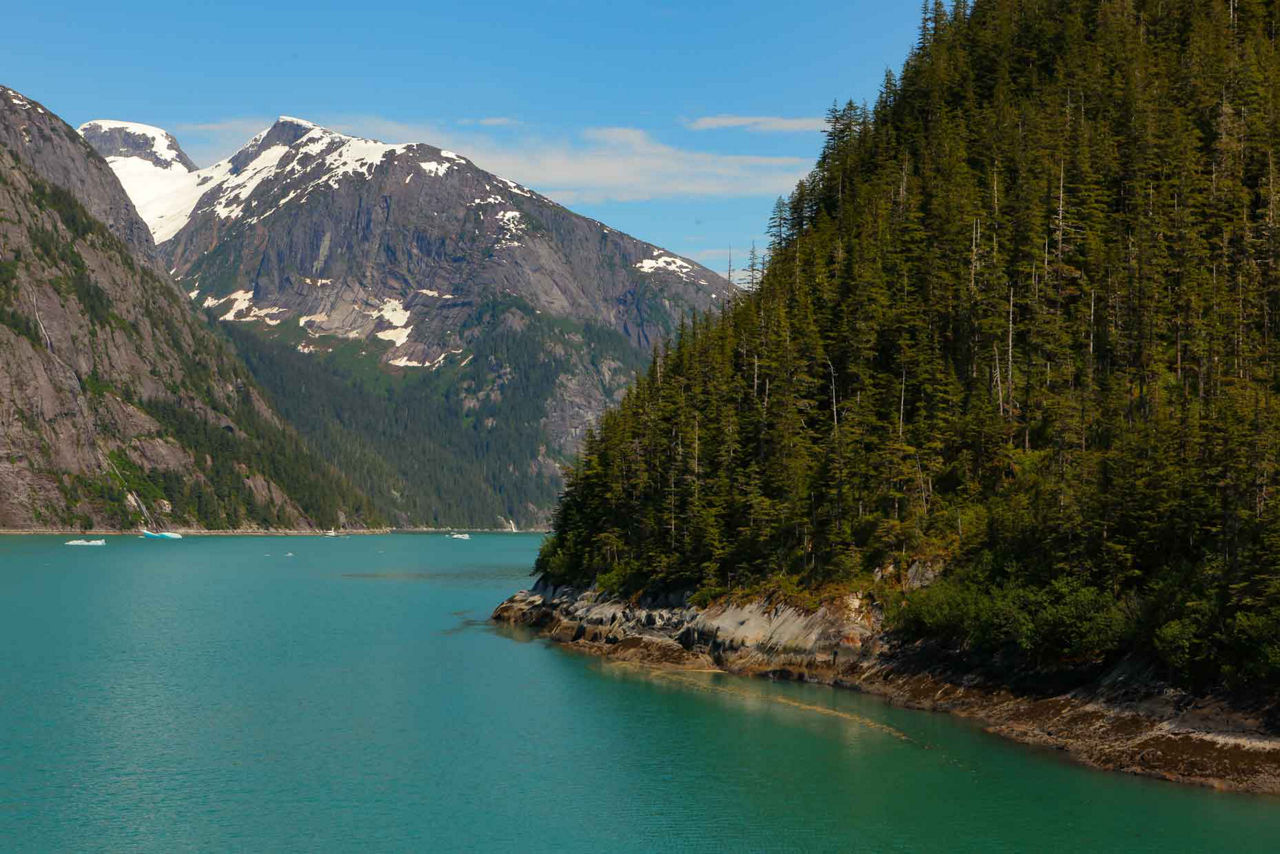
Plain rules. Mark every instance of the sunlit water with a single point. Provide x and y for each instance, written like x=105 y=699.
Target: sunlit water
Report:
x=311 y=694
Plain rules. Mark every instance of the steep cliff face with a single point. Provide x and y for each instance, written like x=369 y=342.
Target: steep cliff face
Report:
x=117 y=404
x=412 y=281
x=57 y=154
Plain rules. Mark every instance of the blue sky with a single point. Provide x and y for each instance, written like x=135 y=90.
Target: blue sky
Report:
x=677 y=122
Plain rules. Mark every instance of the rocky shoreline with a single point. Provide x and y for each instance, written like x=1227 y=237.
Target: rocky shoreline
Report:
x=1123 y=721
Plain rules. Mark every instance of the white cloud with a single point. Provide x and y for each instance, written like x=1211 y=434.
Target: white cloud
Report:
x=604 y=164
x=610 y=164
x=628 y=164
x=759 y=124
x=491 y=121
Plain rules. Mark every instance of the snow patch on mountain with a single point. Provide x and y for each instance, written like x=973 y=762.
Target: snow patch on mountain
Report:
x=670 y=263
x=240 y=301
x=312 y=318
x=296 y=121
x=351 y=156
x=162 y=145
x=164 y=198
x=512 y=227
x=516 y=188
x=395 y=336
x=446 y=354
x=238 y=187
x=156 y=177
x=266 y=315
x=406 y=362
x=394 y=312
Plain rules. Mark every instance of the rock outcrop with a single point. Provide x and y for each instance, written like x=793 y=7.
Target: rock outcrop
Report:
x=745 y=638
x=1126 y=721
x=114 y=139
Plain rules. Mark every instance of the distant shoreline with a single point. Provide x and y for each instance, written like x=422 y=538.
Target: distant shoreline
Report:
x=275 y=532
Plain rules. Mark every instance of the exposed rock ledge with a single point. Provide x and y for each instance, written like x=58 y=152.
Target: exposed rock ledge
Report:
x=1124 y=722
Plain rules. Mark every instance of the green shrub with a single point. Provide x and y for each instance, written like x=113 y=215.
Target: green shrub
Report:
x=93 y=299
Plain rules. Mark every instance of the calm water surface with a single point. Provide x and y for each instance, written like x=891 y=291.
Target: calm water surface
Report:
x=305 y=694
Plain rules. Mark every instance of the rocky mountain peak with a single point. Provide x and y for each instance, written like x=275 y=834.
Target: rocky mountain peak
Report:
x=129 y=139
x=286 y=131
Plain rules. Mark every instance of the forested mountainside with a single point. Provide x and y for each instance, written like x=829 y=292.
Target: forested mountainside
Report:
x=442 y=333
x=118 y=405
x=1018 y=331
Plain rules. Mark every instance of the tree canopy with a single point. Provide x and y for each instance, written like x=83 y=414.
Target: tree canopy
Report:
x=1019 y=325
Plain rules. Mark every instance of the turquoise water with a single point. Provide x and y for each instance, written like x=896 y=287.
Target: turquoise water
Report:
x=218 y=694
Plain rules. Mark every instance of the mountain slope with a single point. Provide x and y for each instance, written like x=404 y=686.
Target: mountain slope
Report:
x=1018 y=331
x=415 y=281
x=117 y=404
x=59 y=156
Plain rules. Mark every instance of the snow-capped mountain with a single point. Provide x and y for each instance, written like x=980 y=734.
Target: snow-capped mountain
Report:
x=313 y=240
x=149 y=163
x=354 y=237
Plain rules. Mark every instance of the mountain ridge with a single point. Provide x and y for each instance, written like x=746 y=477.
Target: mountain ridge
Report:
x=294 y=158
x=515 y=315
x=62 y=157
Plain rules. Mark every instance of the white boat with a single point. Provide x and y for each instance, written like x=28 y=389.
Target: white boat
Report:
x=454 y=535
x=85 y=543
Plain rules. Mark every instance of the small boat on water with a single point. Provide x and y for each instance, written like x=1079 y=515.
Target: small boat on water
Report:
x=454 y=535
x=85 y=543
x=161 y=535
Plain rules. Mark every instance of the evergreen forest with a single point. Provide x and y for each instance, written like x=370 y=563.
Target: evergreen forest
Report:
x=1017 y=334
